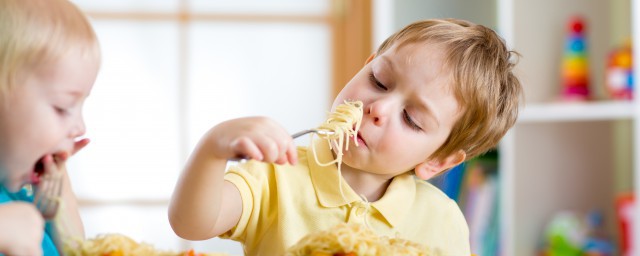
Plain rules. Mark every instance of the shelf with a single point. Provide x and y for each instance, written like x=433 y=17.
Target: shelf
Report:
x=576 y=111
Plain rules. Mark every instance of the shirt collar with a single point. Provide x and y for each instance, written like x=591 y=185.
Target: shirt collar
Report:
x=398 y=199
x=393 y=205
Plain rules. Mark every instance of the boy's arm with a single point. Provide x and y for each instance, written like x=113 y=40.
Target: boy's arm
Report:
x=198 y=210
x=203 y=205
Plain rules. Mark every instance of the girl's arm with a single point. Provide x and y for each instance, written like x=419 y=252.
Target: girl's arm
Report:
x=203 y=205
x=21 y=229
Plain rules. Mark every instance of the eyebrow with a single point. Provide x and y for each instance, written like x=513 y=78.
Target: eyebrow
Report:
x=424 y=105
x=71 y=94
x=388 y=62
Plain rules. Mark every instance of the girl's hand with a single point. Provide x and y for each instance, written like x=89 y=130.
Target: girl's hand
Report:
x=21 y=229
x=59 y=158
x=79 y=144
x=258 y=138
x=56 y=164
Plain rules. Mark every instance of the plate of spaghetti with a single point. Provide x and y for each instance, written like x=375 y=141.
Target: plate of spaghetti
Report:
x=120 y=245
x=355 y=240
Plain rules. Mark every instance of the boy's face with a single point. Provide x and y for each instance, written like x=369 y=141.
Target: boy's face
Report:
x=42 y=115
x=409 y=109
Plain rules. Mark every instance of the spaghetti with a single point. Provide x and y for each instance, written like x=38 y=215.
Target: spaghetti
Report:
x=118 y=245
x=355 y=240
x=343 y=123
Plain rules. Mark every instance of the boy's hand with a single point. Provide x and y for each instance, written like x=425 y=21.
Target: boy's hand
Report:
x=258 y=138
x=21 y=229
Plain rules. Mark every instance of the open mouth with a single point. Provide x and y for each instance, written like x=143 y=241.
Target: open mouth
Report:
x=38 y=171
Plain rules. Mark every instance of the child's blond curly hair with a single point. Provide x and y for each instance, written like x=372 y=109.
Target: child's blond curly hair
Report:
x=33 y=32
x=484 y=84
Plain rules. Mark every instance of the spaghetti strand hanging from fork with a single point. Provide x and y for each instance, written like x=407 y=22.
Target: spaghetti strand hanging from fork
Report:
x=343 y=123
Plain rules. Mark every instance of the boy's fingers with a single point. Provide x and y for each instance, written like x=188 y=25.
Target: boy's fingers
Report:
x=270 y=150
x=284 y=146
x=282 y=159
x=245 y=148
x=292 y=154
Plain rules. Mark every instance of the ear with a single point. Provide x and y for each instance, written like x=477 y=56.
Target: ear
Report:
x=430 y=168
x=371 y=57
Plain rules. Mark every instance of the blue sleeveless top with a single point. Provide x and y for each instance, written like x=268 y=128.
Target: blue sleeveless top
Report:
x=48 y=248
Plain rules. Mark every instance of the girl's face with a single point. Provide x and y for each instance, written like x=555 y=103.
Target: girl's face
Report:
x=42 y=115
x=409 y=110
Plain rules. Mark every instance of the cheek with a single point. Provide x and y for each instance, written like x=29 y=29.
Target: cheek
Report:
x=413 y=148
x=42 y=132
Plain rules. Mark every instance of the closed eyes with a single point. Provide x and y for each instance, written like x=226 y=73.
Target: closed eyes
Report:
x=62 y=111
x=407 y=118
x=405 y=115
x=377 y=83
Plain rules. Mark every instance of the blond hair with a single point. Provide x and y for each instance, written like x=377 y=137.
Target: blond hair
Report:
x=483 y=81
x=33 y=32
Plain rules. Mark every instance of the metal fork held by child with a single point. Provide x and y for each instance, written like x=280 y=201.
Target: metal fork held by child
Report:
x=316 y=131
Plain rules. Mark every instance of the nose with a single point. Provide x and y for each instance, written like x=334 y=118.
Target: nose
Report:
x=379 y=111
x=78 y=129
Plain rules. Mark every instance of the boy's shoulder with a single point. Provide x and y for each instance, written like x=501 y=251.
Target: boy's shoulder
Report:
x=429 y=192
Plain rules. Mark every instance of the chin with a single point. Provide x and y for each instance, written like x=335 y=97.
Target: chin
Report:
x=14 y=186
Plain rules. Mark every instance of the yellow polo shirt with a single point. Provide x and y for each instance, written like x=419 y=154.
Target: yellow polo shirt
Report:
x=283 y=203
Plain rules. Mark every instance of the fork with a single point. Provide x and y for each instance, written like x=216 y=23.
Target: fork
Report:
x=47 y=200
x=47 y=195
x=317 y=131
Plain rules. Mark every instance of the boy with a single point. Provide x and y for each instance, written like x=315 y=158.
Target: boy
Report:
x=435 y=93
x=49 y=59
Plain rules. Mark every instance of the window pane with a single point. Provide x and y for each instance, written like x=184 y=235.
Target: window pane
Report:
x=132 y=115
x=128 y=5
x=297 y=7
x=280 y=70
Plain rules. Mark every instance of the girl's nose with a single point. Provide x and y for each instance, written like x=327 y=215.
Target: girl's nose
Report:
x=78 y=129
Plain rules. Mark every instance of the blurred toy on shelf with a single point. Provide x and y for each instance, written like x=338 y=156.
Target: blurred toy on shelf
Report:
x=625 y=206
x=597 y=242
x=575 y=65
x=574 y=234
x=619 y=76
